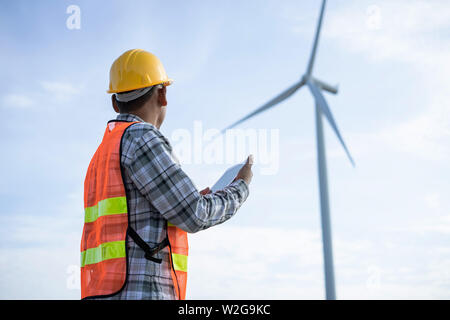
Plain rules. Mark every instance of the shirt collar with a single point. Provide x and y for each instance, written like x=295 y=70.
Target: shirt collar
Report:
x=128 y=117
x=132 y=118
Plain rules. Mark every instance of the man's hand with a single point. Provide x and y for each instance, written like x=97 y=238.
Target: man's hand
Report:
x=246 y=173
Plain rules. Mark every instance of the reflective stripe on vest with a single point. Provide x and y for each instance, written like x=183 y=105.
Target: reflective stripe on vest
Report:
x=103 y=244
x=179 y=256
x=105 y=207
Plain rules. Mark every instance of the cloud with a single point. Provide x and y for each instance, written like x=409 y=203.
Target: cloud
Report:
x=236 y=262
x=402 y=32
x=434 y=225
x=38 y=272
x=252 y=262
x=408 y=31
x=425 y=136
x=17 y=101
x=432 y=200
x=231 y=262
x=59 y=90
x=39 y=253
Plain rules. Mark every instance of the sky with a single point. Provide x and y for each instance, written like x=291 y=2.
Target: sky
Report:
x=390 y=213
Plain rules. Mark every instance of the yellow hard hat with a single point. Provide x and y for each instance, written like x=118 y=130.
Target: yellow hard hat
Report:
x=136 y=69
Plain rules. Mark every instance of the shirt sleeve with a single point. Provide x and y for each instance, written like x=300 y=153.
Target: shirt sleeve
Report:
x=167 y=187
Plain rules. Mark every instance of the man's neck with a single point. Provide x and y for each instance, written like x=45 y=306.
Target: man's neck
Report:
x=147 y=117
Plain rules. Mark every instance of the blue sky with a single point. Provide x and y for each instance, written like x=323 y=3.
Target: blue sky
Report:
x=390 y=214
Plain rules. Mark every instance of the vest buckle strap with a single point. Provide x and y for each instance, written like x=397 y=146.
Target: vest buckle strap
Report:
x=149 y=252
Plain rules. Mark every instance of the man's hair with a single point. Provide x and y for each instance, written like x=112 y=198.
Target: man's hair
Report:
x=133 y=105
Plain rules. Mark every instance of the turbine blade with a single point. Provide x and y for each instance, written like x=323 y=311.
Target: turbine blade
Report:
x=322 y=103
x=316 y=40
x=281 y=97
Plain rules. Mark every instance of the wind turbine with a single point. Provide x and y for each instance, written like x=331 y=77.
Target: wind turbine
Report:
x=315 y=86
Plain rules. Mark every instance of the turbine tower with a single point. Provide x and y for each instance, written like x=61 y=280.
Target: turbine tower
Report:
x=315 y=86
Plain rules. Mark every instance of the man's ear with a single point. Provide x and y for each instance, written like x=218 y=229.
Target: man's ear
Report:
x=162 y=96
x=114 y=103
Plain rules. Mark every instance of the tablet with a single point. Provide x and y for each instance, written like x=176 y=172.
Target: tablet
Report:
x=227 y=177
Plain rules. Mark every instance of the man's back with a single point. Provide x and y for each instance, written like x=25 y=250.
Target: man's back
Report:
x=159 y=191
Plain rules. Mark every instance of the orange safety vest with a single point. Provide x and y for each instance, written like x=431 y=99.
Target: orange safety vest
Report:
x=104 y=257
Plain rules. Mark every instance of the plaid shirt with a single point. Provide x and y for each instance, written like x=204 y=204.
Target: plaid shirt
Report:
x=158 y=191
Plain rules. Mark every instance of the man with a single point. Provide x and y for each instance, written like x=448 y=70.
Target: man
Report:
x=139 y=203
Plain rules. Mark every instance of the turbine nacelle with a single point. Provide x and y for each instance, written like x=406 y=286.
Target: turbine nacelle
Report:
x=325 y=86
x=321 y=84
